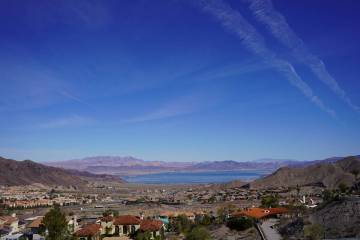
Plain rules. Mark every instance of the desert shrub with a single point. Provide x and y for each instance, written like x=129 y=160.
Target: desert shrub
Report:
x=313 y=232
x=206 y=220
x=143 y=236
x=343 y=188
x=239 y=223
x=198 y=233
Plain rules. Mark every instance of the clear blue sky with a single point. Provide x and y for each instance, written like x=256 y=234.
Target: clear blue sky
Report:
x=179 y=80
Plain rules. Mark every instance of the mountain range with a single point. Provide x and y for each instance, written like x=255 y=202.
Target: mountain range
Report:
x=128 y=165
x=282 y=173
x=27 y=172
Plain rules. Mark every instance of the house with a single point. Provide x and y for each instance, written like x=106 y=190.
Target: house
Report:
x=170 y=215
x=165 y=220
x=73 y=224
x=31 y=236
x=126 y=225
x=262 y=213
x=155 y=227
x=10 y=223
x=89 y=232
x=36 y=226
x=107 y=226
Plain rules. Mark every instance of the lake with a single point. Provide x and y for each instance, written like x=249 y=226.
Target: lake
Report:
x=194 y=177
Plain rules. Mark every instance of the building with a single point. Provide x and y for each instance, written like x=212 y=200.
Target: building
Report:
x=89 y=232
x=107 y=226
x=73 y=225
x=10 y=223
x=36 y=226
x=154 y=227
x=126 y=225
x=262 y=213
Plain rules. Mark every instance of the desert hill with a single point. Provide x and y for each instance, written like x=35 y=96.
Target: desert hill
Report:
x=327 y=174
x=27 y=172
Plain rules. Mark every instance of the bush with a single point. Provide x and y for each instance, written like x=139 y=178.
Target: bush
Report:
x=180 y=224
x=240 y=224
x=206 y=220
x=343 y=188
x=143 y=236
x=198 y=233
x=314 y=232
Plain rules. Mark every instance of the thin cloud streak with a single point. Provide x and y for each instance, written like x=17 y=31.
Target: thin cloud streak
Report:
x=276 y=23
x=184 y=105
x=72 y=97
x=70 y=121
x=233 y=21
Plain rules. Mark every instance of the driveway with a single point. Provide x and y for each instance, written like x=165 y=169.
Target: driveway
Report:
x=269 y=232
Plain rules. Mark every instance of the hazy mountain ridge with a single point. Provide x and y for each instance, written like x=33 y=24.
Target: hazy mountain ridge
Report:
x=130 y=165
x=27 y=172
x=115 y=164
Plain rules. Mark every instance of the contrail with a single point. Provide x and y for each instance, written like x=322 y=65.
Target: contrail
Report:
x=276 y=23
x=233 y=21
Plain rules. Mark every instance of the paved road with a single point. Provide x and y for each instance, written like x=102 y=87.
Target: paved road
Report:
x=269 y=232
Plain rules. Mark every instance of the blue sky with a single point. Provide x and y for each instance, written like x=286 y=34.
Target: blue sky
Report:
x=179 y=80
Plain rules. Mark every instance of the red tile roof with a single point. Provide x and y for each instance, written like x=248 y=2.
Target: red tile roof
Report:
x=151 y=225
x=88 y=230
x=261 y=212
x=36 y=223
x=8 y=219
x=127 y=220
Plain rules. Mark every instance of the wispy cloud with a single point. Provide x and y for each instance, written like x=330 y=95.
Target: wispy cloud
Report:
x=72 y=97
x=184 y=105
x=234 y=22
x=276 y=23
x=71 y=121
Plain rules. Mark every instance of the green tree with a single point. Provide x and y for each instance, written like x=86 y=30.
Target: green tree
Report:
x=198 y=233
x=270 y=201
x=223 y=212
x=239 y=223
x=206 y=220
x=182 y=224
x=56 y=225
x=112 y=212
x=314 y=232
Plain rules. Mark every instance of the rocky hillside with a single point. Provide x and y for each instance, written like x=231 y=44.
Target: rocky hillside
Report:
x=341 y=219
x=27 y=172
x=327 y=174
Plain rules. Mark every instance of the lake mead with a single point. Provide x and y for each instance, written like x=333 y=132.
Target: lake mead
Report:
x=194 y=177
